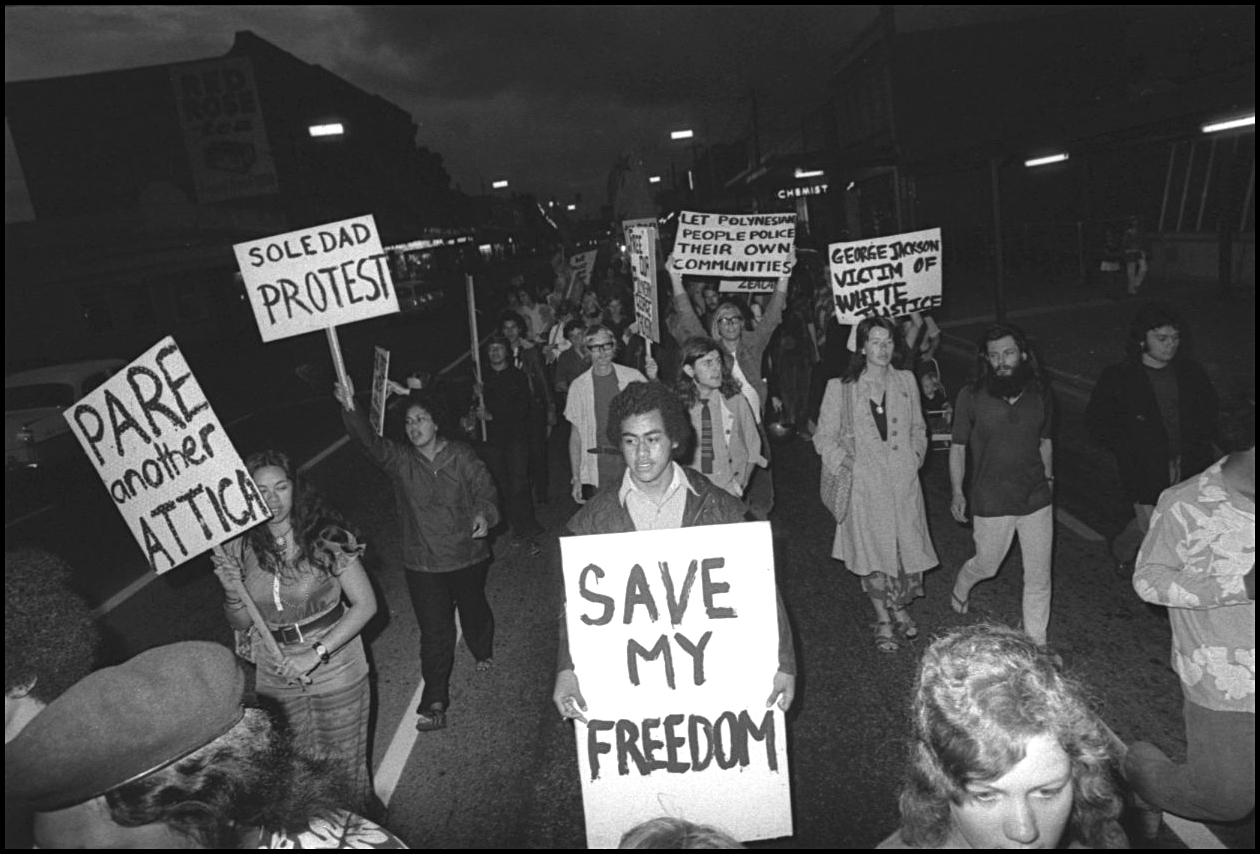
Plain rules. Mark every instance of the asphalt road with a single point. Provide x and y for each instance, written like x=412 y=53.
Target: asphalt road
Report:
x=504 y=774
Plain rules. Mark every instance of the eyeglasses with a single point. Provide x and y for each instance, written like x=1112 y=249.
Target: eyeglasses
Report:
x=601 y=348
x=730 y=320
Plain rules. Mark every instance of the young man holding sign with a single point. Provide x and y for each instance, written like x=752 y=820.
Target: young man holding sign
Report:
x=657 y=493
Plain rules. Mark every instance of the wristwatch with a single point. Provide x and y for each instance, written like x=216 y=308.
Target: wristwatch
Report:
x=321 y=651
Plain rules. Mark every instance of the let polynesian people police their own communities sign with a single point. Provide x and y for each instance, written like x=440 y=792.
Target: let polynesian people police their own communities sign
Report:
x=886 y=276
x=674 y=637
x=317 y=278
x=165 y=459
x=642 y=246
x=734 y=245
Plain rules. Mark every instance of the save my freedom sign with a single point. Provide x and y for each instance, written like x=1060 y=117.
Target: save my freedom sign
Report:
x=886 y=276
x=674 y=638
x=734 y=245
x=165 y=459
x=317 y=278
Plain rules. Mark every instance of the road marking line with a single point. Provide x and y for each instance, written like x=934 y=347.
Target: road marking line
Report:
x=1076 y=526
x=40 y=512
x=389 y=772
x=1192 y=833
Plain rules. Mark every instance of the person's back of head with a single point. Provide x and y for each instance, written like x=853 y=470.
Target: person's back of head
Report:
x=669 y=832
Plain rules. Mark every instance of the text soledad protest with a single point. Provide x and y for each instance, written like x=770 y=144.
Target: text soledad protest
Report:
x=165 y=459
x=745 y=245
x=674 y=638
x=316 y=278
x=886 y=276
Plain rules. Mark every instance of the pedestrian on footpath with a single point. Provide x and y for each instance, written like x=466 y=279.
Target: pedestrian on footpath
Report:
x=593 y=461
x=505 y=392
x=648 y=425
x=1156 y=411
x=1003 y=422
x=302 y=569
x=1199 y=561
x=447 y=505
x=871 y=421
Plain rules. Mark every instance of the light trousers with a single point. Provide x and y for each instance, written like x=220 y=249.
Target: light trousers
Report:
x=993 y=535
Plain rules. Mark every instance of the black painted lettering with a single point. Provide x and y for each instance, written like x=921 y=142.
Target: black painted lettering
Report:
x=589 y=595
x=638 y=593
x=660 y=649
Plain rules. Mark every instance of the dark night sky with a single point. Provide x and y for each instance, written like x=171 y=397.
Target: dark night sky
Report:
x=545 y=96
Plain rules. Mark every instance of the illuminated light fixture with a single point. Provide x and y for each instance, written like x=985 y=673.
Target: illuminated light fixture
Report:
x=1047 y=160
x=499 y=185
x=331 y=129
x=654 y=179
x=851 y=185
x=570 y=207
x=808 y=173
x=681 y=134
x=1230 y=124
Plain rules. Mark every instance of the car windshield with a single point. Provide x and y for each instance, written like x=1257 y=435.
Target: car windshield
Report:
x=39 y=396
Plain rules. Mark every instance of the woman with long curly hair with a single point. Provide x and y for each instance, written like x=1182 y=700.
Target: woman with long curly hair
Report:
x=1006 y=751
x=727 y=445
x=302 y=570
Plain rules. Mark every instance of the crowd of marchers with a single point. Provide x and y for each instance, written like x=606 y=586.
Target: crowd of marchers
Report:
x=1006 y=749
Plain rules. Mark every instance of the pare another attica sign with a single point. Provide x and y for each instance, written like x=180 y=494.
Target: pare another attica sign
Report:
x=316 y=278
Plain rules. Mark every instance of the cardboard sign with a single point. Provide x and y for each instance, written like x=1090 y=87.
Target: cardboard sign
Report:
x=166 y=460
x=886 y=276
x=317 y=278
x=380 y=389
x=627 y=224
x=743 y=245
x=221 y=119
x=674 y=638
x=581 y=268
x=746 y=286
x=642 y=244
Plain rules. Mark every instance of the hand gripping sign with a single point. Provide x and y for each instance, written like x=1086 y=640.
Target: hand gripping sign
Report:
x=674 y=638
x=886 y=276
x=165 y=459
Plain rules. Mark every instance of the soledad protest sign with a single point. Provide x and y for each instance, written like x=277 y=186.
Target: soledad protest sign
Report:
x=735 y=245
x=317 y=278
x=674 y=638
x=165 y=459
x=886 y=276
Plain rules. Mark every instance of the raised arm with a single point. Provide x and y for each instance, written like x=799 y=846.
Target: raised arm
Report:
x=380 y=450
x=688 y=325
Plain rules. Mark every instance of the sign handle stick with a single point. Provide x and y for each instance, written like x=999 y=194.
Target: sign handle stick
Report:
x=339 y=364
x=255 y=615
x=476 y=349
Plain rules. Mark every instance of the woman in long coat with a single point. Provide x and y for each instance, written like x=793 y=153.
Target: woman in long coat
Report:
x=873 y=413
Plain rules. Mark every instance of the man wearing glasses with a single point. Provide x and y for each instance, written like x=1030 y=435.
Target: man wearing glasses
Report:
x=593 y=460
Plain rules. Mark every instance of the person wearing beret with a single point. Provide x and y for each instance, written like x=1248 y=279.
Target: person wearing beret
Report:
x=159 y=752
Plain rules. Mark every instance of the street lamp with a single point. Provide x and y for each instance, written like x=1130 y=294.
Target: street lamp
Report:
x=654 y=179
x=329 y=129
x=682 y=134
x=1229 y=124
x=800 y=173
x=498 y=185
x=1057 y=157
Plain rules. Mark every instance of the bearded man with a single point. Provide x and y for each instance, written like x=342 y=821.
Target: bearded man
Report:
x=1004 y=420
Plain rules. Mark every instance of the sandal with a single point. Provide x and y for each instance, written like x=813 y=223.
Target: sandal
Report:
x=430 y=719
x=960 y=606
x=885 y=640
x=906 y=625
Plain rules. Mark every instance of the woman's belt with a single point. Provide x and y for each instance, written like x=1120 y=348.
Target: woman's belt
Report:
x=297 y=633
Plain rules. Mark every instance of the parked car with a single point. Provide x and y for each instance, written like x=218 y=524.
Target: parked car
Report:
x=35 y=431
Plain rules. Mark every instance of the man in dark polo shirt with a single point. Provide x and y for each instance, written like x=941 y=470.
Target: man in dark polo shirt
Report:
x=1004 y=420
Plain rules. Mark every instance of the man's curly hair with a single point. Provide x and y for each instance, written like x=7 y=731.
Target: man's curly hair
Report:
x=982 y=693
x=640 y=399
x=50 y=640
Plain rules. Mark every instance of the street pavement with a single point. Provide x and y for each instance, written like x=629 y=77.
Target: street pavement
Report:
x=504 y=774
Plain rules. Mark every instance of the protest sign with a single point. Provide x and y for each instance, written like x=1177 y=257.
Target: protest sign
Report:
x=645 y=222
x=886 y=276
x=674 y=638
x=745 y=245
x=380 y=389
x=317 y=278
x=165 y=459
x=642 y=243
x=581 y=267
x=747 y=286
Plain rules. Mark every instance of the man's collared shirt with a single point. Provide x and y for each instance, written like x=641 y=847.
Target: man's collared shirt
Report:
x=650 y=515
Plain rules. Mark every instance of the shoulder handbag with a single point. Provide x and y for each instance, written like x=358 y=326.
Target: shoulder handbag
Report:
x=836 y=485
